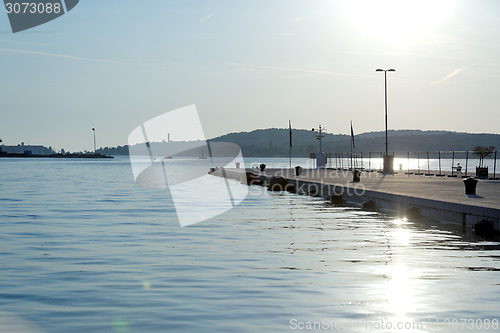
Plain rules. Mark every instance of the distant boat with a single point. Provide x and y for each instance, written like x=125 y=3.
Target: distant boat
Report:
x=168 y=157
x=202 y=157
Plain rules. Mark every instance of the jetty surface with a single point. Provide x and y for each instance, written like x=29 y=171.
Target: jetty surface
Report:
x=441 y=198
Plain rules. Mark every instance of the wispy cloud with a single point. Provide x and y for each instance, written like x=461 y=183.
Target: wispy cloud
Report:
x=289 y=69
x=57 y=55
x=298 y=19
x=206 y=18
x=452 y=74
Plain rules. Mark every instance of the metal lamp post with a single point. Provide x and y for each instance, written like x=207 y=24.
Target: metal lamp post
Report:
x=388 y=159
x=320 y=156
x=93 y=129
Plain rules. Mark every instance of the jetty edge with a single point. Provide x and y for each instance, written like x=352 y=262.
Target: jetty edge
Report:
x=413 y=197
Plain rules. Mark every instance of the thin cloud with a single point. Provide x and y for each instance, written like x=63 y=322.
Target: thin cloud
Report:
x=57 y=55
x=290 y=69
x=167 y=65
x=206 y=18
x=452 y=74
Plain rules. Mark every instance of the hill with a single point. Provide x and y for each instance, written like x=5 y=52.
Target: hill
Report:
x=274 y=142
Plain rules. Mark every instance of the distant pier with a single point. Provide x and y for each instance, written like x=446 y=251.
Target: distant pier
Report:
x=414 y=197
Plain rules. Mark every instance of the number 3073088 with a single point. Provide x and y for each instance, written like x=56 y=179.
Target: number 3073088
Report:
x=32 y=8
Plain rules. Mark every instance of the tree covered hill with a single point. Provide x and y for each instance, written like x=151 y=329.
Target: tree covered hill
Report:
x=275 y=142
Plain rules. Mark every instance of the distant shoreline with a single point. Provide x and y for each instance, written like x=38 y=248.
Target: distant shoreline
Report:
x=25 y=155
x=275 y=142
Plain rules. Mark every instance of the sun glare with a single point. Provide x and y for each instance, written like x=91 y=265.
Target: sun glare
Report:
x=400 y=291
x=398 y=21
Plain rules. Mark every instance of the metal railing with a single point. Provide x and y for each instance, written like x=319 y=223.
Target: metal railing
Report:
x=428 y=163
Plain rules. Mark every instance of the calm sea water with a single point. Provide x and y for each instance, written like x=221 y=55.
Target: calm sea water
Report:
x=83 y=249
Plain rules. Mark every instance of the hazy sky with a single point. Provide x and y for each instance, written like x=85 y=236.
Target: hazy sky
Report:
x=113 y=64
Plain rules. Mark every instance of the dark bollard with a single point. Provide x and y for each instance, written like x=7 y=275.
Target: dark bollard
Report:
x=470 y=185
x=413 y=214
x=484 y=228
x=298 y=170
x=277 y=184
x=356 y=175
x=262 y=167
x=337 y=199
x=369 y=205
x=237 y=165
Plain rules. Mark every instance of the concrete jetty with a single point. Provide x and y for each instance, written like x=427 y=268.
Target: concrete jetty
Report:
x=411 y=196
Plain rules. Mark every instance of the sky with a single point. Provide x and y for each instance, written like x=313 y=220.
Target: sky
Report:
x=114 y=64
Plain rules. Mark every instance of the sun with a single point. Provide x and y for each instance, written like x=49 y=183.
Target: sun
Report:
x=398 y=21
